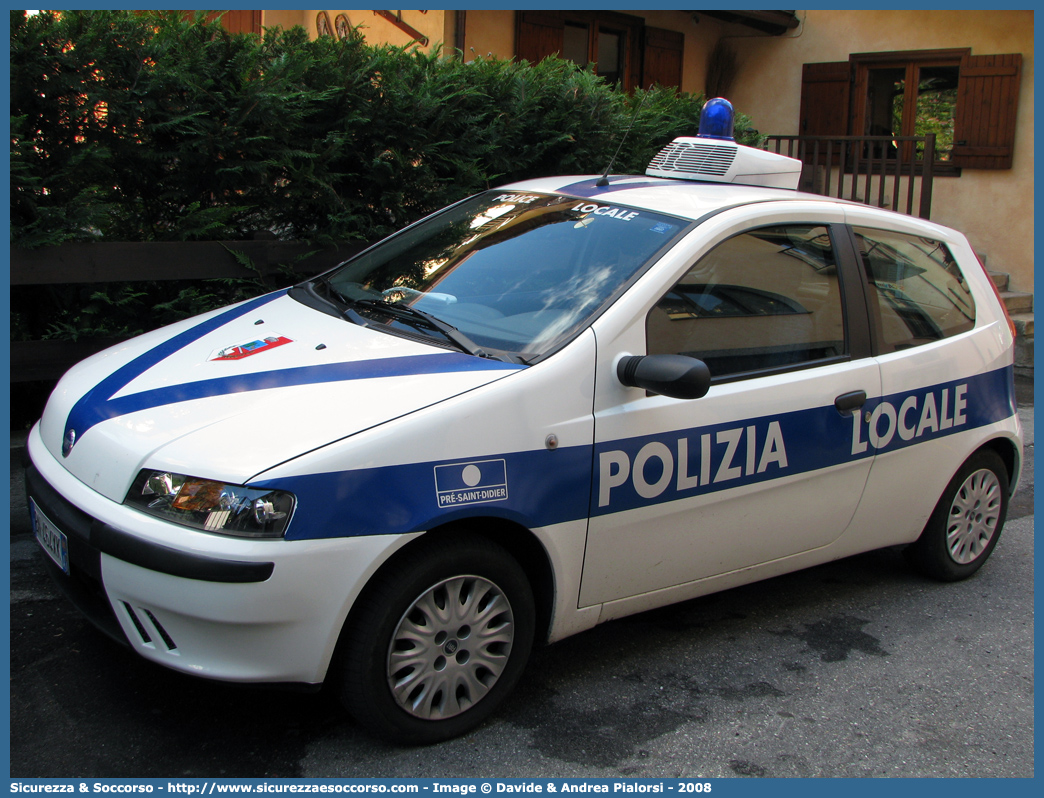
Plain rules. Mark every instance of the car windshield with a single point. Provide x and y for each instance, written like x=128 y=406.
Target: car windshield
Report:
x=506 y=274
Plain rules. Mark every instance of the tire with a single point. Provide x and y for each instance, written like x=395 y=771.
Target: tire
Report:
x=966 y=524
x=414 y=672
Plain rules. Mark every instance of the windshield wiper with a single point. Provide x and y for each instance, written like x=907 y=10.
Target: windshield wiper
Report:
x=455 y=336
x=406 y=312
x=346 y=301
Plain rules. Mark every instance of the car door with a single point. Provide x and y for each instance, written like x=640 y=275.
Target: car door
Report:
x=763 y=467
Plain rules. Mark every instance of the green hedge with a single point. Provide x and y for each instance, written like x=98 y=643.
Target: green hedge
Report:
x=145 y=127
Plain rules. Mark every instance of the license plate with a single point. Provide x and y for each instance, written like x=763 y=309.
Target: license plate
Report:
x=50 y=537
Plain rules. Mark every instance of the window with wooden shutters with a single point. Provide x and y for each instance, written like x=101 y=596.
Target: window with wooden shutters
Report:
x=968 y=102
x=909 y=93
x=609 y=40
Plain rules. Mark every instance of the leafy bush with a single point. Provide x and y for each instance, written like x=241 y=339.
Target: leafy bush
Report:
x=143 y=126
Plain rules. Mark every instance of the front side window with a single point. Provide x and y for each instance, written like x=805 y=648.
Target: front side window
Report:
x=766 y=299
x=513 y=275
x=917 y=292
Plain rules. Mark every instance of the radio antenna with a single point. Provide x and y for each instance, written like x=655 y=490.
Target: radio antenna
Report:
x=604 y=179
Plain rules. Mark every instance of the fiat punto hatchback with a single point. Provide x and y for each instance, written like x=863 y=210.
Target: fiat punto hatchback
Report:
x=547 y=406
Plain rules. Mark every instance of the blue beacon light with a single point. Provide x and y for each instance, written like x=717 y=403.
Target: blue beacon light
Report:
x=716 y=120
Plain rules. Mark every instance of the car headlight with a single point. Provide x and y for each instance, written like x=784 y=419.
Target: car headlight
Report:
x=212 y=506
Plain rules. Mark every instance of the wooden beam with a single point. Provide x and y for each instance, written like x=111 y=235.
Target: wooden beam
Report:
x=774 y=23
x=409 y=30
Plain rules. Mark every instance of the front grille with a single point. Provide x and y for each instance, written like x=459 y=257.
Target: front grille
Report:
x=143 y=633
x=144 y=625
x=166 y=638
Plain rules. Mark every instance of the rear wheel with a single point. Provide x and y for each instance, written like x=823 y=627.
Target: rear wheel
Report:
x=964 y=527
x=438 y=641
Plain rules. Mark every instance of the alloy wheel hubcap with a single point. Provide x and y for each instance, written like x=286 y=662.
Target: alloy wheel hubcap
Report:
x=450 y=647
x=974 y=516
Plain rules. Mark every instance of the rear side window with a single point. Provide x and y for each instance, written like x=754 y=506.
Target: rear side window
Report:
x=918 y=294
x=765 y=299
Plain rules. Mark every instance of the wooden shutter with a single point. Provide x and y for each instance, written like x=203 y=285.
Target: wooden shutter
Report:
x=632 y=73
x=662 y=57
x=987 y=101
x=243 y=21
x=825 y=92
x=237 y=21
x=539 y=34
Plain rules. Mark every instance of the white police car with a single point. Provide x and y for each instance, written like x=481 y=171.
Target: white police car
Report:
x=547 y=406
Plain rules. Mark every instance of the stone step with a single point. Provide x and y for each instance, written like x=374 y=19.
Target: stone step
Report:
x=1020 y=308
x=1023 y=343
x=1023 y=324
x=1017 y=302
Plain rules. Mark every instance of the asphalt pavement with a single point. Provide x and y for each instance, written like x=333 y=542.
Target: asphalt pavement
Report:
x=855 y=668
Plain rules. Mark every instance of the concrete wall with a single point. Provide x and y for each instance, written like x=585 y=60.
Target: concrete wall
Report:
x=994 y=208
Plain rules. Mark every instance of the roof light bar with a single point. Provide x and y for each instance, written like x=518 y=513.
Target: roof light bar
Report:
x=714 y=156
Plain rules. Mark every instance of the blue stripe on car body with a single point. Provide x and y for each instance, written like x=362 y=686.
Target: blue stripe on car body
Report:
x=98 y=404
x=542 y=487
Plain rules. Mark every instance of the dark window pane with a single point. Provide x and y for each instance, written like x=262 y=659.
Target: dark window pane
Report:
x=884 y=99
x=609 y=55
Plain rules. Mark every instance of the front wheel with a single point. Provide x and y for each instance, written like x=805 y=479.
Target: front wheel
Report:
x=964 y=527
x=438 y=641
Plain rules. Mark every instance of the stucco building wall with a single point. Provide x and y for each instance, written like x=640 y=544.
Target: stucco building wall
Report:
x=436 y=25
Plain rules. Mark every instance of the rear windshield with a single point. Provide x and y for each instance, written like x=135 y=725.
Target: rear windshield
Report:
x=516 y=273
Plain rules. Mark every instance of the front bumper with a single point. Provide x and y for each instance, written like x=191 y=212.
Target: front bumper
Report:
x=214 y=606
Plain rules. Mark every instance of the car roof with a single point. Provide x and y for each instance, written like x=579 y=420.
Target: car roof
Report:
x=694 y=199
x=689 y=199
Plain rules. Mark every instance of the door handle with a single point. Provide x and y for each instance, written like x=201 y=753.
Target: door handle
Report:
x=848 y=403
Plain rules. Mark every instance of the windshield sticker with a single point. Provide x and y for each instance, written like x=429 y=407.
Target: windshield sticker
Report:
x=240 y=351
x=623 y=214
x=521 y=199
x=476 y=482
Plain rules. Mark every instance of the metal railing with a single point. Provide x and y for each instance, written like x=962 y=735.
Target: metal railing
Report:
x=893 y=172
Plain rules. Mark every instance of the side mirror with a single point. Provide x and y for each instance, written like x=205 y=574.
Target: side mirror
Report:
x=676 y=376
